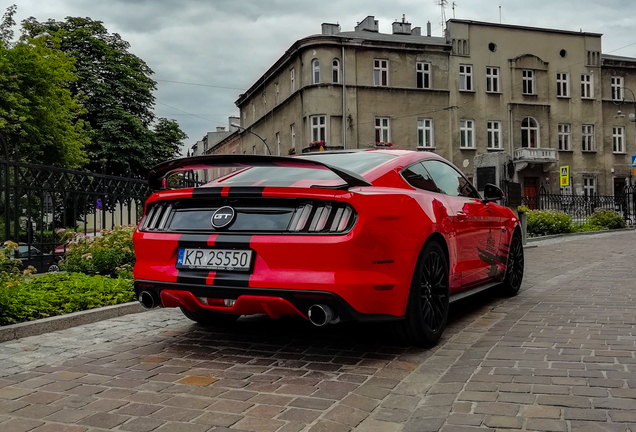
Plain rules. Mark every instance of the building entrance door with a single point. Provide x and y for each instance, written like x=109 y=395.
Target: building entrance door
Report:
x=530 y=190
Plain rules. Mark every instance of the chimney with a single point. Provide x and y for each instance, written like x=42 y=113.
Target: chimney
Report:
x=330 y=29
x=417 y=31
x=402 y=27
x=368 y=24
x=428 y=29
x=220 y=128
x=234 y=121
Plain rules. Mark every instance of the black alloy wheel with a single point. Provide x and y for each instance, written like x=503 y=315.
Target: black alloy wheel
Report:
x=427 y=308
x=209 y=318
x=515 y=267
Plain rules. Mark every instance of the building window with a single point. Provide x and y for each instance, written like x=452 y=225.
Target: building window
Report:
x=466 y=134
x=617 y=88
x=382 y=130
x=335 y=71
x=292 y=78
x=528 y=82
x=380 y=72
x=618 y=139
x=423 y=74
x=465 y=77
x=315 y=66
x=587 y=138
x=492 y=79
x=318 y=128
x=565 y=136
x=587 y=89
x=278 y=143
x=589 y=186
x=425 y=133
x=563 y=85
x=494 y=135
x=293 y=135
x=529 y=133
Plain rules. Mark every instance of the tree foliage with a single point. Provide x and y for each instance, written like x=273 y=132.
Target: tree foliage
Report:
x=117 y=93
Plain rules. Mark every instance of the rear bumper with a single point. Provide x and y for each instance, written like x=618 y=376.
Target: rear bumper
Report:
x=250 y=301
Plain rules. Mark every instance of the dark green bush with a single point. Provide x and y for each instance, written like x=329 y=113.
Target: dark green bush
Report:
x=547 y=222
x=56 y=294
x=607 y=219
x=110 y=254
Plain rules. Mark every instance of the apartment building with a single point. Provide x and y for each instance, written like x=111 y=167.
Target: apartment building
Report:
x=502 y=102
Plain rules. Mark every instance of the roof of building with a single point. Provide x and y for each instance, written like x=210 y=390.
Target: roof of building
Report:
x=617 y=58
x=519 y=27
x=397 y=38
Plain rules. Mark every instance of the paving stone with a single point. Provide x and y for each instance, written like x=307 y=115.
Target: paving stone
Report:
x=503 y=422
x=327 y=426
x=20 y=425
x=103 y=420
x=258 y=424
x=141 y=424
x=546 y=425
x=346 y=415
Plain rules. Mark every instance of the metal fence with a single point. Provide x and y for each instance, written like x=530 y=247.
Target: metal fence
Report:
x=581 y=207
x=36 y=201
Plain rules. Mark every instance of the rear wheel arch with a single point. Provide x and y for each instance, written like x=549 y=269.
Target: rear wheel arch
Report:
x=440 y=240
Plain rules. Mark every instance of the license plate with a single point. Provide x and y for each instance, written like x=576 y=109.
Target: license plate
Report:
x=215 y=259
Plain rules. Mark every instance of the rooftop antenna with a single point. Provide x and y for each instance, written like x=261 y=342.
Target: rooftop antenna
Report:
x=499 y=14
x=442 y=4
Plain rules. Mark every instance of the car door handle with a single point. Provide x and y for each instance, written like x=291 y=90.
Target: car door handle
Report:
x=461 y=216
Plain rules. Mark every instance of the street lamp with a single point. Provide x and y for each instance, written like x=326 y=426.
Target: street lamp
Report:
x=253 y=133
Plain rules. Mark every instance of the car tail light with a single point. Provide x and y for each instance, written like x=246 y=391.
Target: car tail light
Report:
x=322 y=218
x=156 y=218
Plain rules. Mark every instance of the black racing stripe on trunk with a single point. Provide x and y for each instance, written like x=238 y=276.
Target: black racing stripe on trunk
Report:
x=245 y=191
x=233 y=241
x=194 y=240
x=198 y=277
x=207 y=192
x=233 y=279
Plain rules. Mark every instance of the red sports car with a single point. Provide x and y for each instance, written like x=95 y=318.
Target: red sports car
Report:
x=372 y=235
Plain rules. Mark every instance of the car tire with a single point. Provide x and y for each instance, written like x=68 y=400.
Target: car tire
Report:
x=209 y=318
x=53 y=268
x=428 y=303
x=514 y=267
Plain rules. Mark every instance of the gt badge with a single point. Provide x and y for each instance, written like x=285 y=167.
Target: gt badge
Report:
x=223 y=217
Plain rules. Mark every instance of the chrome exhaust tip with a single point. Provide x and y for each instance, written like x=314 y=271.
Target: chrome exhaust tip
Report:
x=320 y=315
x=148 y=300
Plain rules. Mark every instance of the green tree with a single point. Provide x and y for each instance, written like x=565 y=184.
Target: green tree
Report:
x=38 y=114
x=118 y=91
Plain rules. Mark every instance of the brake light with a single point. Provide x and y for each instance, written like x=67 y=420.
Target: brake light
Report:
x=322 y=217
x=156 y=218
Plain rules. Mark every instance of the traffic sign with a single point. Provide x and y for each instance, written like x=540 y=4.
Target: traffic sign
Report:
x=565 y=175
x=98 y=204
x=633 y=161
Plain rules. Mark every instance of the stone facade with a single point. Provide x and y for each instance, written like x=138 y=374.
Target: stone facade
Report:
x=542 y=97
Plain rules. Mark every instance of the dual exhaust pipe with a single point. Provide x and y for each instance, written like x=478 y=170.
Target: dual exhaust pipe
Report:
x=318 y=314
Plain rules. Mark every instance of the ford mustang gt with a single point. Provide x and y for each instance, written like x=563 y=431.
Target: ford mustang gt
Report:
x=372 y=235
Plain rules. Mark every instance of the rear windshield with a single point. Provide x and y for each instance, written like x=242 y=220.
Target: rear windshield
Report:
x=357 y=162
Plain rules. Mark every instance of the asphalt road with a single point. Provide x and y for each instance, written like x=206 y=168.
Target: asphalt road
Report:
x=558 y=357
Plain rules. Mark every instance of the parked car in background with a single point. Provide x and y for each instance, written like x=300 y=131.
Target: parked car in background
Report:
x=62 y=249
x=376 y=235
x=32 y=256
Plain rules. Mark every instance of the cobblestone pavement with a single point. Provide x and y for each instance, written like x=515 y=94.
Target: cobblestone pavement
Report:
x=558 y=357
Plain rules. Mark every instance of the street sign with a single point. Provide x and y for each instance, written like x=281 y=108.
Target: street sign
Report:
x=565 y=175
x=98 y=204
x=633 y=161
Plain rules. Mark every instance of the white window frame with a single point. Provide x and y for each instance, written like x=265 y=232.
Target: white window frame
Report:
x=618 y=139
x=588 y=143
x=564 y=133
x=380 y=72
x=465 y=77
x=492 y=79
x=315 y=71
x=425 y=133
x=587 y=86
x=617 y=84
x=528 y=82
x=382 y=130
x=493 y=132
x=292 y=79
x=335 y=71
x=467 y=134
x=563 y=85
x=318 y=128
x=589 y=186
x=423 y=75
x=292 y=132
x=532 y=129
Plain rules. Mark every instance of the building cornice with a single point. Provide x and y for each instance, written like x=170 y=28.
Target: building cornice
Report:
x=519 y=27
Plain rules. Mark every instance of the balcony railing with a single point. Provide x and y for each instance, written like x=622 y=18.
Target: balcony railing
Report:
x=536 y=155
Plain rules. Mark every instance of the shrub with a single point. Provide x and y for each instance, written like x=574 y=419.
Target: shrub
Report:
x=110 y=254
x=607 y=219
x=56 y=294
x=546 y=222
x=586 y=227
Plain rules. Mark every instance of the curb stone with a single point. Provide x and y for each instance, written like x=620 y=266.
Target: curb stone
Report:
x=555 y=236
x=61 y=322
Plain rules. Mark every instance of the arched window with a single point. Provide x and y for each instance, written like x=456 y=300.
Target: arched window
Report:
x=335 y=71
x=529 y=133
x=315 y=65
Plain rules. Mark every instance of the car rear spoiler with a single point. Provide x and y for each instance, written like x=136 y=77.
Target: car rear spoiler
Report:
x=159 y=173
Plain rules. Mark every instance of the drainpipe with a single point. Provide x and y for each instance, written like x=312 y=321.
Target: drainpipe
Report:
x=344 y=102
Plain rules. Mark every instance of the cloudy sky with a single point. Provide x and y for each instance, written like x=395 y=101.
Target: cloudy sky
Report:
x=206 y=52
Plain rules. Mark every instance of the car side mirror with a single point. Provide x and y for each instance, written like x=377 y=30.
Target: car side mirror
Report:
x=492 y=193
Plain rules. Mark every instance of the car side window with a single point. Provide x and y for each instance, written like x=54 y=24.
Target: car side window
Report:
x=417 y=176
x=449 y=180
